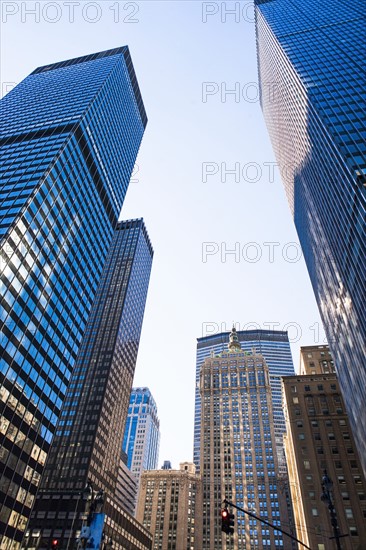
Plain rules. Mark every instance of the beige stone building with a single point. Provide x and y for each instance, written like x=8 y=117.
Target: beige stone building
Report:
x=169 y=506
x=319 y=440
x=238 y=451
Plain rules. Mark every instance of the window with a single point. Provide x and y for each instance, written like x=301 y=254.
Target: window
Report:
x=315 y=512
x=349 y=513
x=307 y=464
x=295 y=400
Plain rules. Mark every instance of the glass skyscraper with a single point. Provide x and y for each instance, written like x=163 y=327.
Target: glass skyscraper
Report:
x=311 y=59
x=70 y=133
x=275 y=348
x=87 y=446
x=142 y=435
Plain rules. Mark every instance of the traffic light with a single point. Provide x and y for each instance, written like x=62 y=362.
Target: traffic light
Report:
x=54 y=544
x=227 y=521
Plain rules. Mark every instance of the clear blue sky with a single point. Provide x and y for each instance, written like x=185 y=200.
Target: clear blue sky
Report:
x=175 y=53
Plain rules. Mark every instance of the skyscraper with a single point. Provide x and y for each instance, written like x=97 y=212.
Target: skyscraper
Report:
x=238 y=450
x=275 y=347
x=142 y=436
x=88 y=442
x=70 y=133
x=312 y=84
x=169 y=506
x=319 y=440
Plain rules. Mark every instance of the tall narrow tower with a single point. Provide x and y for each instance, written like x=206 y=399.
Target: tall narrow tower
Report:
x=88 y=442
x=312 y=89
x=70 y=133
x=238 y=450
x=142 y=436
x=275 y=348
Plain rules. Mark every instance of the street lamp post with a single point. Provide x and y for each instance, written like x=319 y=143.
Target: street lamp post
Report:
x=327 y=485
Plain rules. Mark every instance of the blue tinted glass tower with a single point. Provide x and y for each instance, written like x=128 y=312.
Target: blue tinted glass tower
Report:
x=70 y=133
x=87 y=446
x=275 y=348
x=142 y=435
x=312 y=80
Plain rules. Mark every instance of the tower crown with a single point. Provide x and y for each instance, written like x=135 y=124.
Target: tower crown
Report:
x=234 y=344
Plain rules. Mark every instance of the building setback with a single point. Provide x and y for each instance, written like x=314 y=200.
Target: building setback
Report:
x=88 y=440
x=142 y=436
x=169 y=506
x=126 y=489
x=319 y=439
x=312 y=86
x=70 y=133
x=275 y=347
x=238 y=450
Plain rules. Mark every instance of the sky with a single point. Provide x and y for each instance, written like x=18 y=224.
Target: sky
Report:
x=205 y=182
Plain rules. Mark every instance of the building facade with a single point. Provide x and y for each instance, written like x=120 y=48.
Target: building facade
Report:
x=70 y=133
x=142 y=435
x=88 y=440
x=238 y=451
x=275 y=347
x=319 y=440
x=126 y=489
x=169 y=506
x=311 y=92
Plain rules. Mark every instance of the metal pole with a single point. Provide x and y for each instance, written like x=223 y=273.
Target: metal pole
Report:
x=334 y=523
x=73 y=522
x=266 y=522
x=327 y=485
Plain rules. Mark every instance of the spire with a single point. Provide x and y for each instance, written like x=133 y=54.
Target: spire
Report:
x=234 y=344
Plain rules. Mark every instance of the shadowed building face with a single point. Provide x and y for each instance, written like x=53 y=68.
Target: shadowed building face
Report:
x=88 y=442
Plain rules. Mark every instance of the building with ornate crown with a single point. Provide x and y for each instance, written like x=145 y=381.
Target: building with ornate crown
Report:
x=238 y=450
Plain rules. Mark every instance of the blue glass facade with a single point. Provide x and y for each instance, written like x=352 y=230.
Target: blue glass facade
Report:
x=88 y=441
x=312 y=55
x=142 y=436
x=275 y=348
x=70 y=135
